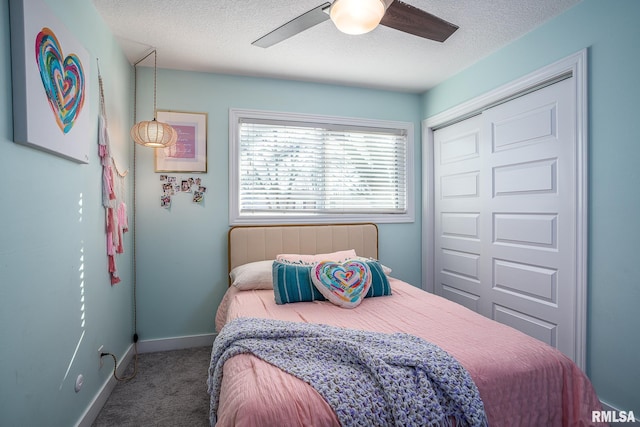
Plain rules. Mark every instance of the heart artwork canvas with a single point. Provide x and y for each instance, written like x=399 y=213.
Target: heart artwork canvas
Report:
x=50 y=83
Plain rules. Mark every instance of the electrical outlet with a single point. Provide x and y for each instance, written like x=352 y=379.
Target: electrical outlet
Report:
x=100 y=355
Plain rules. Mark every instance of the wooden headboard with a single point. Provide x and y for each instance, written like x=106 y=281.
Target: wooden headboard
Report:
x=258 y=243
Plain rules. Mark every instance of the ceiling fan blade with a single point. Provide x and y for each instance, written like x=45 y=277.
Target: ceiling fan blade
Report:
x=410 y=19
x=295 y=26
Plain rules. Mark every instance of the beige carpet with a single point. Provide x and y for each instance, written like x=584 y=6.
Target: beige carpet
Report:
x=169 y=390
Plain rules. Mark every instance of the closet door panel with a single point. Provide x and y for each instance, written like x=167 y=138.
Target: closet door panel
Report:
x=457 y=155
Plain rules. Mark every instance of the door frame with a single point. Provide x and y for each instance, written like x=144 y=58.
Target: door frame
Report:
x=573 y=66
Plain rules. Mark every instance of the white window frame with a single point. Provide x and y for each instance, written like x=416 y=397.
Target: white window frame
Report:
x=235 y=218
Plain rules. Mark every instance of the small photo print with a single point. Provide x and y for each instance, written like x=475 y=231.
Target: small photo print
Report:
x=186 y=186
x=171 y=179
x=202 y=189
x=163 y=177
x=167 y=188
x=198 y=197
x=165 y=202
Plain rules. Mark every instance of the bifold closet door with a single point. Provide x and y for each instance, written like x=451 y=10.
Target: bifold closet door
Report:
x=505 y=214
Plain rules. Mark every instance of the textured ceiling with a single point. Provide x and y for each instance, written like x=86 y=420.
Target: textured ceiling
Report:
x=216 y=35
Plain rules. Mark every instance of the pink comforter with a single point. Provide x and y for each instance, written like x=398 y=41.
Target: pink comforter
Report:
x=522 y=381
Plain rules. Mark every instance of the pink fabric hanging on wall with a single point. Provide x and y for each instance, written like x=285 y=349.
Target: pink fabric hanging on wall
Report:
x=115 y=211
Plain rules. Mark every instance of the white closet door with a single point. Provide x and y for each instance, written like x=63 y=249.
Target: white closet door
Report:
x=505 y=214
x=458 y=151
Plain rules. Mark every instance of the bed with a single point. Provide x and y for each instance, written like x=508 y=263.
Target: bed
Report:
x=521 y=381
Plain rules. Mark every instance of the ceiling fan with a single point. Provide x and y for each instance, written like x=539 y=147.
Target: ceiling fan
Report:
x=361 y=16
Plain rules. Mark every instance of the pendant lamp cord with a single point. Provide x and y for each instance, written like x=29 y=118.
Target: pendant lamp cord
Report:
x=134 y=257
x=134 y=263
x=135 y=216
x=154 y=52
x=155 y=76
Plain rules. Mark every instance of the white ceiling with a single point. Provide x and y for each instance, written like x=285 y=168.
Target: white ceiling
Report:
x=216 y=35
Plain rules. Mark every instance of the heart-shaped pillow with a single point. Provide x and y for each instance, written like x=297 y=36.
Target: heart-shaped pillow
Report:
x=344 y=284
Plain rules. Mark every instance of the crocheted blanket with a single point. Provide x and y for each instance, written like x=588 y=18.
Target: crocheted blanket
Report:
x=368 y=378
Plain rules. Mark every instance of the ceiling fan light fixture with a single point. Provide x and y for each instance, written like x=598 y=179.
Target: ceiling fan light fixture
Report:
x=357 y=16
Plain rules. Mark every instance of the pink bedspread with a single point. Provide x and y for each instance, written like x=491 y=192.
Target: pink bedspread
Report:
x=522 y=381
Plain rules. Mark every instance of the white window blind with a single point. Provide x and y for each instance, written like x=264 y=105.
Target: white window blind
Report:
x=306 y=167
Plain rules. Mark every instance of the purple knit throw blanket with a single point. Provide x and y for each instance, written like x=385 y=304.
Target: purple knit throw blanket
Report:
x=368 y=378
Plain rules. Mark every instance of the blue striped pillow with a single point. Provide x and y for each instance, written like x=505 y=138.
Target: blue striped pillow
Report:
x=292 y=283
x=379 y=282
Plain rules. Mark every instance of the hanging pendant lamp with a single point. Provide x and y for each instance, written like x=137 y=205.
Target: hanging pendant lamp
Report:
x=153 y=134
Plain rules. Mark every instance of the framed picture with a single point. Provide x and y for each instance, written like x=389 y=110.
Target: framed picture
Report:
x=189 y=154
x=51 y=88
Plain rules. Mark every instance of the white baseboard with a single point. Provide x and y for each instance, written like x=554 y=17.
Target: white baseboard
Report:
x=177 y=343
x=98 y=402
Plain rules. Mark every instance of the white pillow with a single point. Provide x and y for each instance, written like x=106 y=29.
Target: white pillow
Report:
x=339 y=256
x=254 y=275
x=312 y=259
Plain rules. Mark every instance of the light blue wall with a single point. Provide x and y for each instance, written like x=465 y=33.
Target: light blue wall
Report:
x=182 y=252
x=610 y=30
x=182 y=259
x=51 y=248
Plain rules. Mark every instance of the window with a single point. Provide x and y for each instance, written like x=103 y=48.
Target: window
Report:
x=302 y=168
